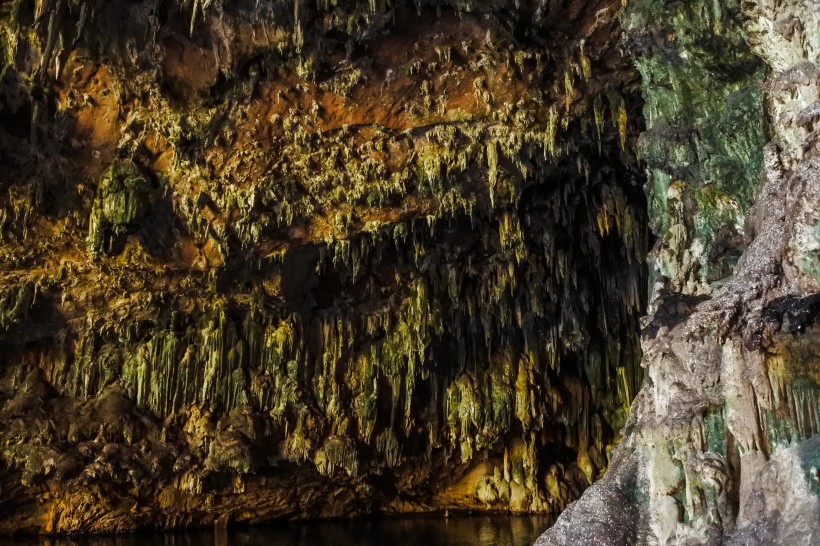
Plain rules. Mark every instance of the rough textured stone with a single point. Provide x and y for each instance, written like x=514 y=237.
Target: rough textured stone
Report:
x=722 y=438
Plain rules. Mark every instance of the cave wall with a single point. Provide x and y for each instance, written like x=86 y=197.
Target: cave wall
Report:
x=721 y=446
x=290 y=259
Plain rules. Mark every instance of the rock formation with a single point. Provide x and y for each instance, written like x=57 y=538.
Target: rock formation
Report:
x=721 y=445
x=291 y=259
x=288 y=259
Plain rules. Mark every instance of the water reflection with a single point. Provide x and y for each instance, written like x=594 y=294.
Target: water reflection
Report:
x=484 y=530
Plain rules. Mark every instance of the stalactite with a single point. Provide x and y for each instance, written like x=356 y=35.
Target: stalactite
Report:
x=295 y=278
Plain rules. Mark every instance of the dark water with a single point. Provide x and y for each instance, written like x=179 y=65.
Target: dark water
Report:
x=484 y=530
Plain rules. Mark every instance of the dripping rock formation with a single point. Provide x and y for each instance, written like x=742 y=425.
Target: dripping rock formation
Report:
x=722 y=446
x=290 y=259
x=303 y=259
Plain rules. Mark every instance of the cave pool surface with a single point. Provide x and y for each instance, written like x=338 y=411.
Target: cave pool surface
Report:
x=427 y=530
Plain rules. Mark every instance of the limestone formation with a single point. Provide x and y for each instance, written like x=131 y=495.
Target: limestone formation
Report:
x=721 y=445
x=305 y=259
x=286 y=260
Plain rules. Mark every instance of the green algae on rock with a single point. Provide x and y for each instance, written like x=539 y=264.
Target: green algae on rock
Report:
x=121 y=200
x=717 y=445
x=704 y=140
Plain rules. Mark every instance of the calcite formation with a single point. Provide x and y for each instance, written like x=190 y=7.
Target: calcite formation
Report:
x=290 y=259
x=721 y=446
x=300 y=259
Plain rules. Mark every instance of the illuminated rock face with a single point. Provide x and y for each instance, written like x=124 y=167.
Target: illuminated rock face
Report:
x=721 y=445
x=305 y=259
x=299 y=259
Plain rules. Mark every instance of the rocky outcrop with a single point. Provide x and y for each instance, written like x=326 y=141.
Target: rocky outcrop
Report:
x=721 y=445
x=305 y=259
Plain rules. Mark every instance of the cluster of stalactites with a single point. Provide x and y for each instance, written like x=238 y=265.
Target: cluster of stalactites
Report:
x=343 y=383
x=327 y=174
